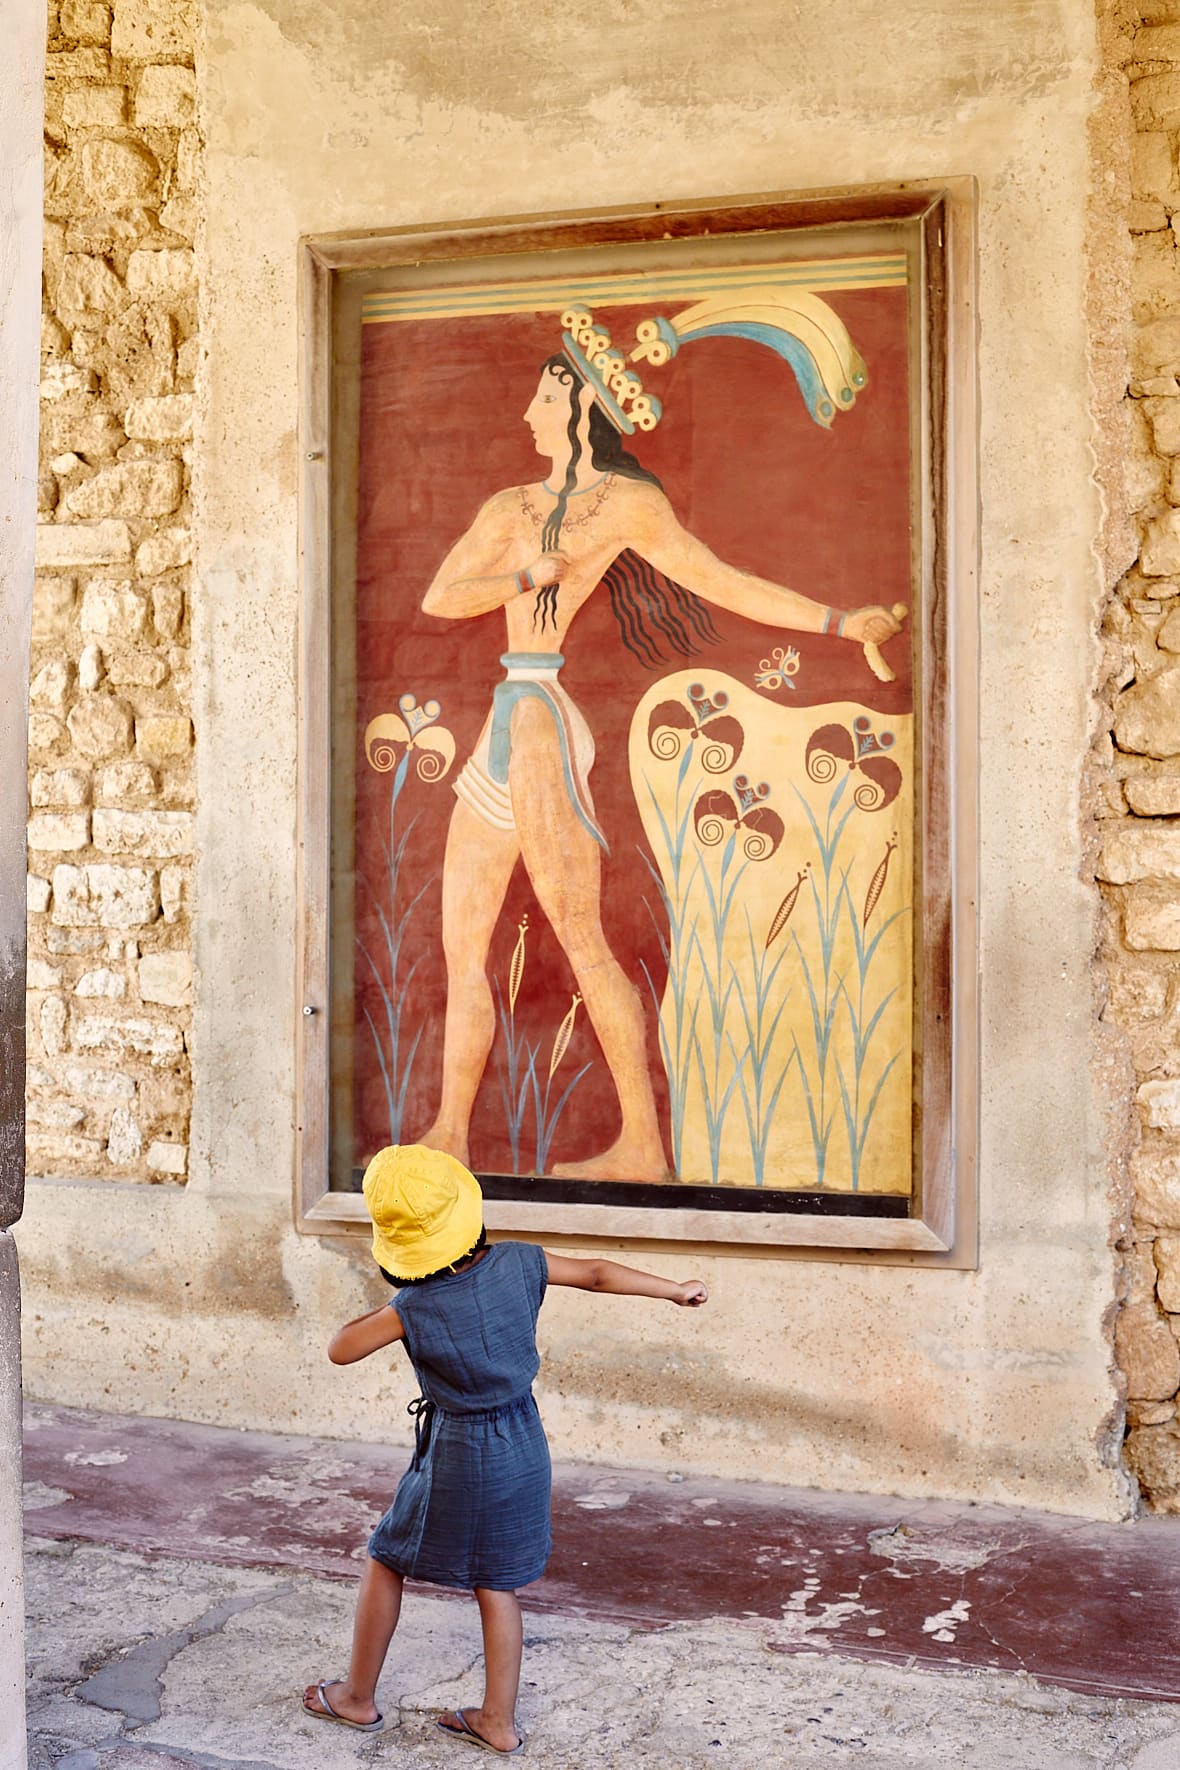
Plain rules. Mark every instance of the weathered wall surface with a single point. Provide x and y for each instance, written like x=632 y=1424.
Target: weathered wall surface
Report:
x=110 y=828
x=997 y=1383
x=20 y=246
x=1137 y=780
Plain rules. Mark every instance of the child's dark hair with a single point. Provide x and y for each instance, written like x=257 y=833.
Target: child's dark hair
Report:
x=391 y=1278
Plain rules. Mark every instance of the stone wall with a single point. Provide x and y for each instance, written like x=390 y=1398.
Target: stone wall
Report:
x=1139 y=789
x=323 y=115
x=110 y=828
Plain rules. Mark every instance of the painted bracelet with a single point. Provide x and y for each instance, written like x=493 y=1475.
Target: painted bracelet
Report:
x=525 y=582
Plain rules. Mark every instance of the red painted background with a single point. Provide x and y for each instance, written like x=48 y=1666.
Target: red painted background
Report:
x=746 y=469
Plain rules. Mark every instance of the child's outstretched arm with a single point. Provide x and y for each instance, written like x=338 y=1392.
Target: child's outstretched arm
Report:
x=368 y=1333
x=623 y=1281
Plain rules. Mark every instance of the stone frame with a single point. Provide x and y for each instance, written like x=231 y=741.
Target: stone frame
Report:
x=941 y=1228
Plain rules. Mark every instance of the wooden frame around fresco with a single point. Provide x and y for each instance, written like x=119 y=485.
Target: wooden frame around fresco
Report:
x=941 y=1228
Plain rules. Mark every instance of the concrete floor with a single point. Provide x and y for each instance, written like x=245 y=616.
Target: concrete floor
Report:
x=184 y=1583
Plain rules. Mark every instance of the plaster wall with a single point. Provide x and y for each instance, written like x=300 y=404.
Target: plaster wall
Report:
x=21 y=81
x=204 y=1302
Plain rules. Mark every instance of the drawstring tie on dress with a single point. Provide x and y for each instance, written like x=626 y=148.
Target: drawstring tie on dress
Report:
x=421 y=1410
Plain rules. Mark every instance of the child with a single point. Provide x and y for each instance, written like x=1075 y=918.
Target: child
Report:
x=472 y=1510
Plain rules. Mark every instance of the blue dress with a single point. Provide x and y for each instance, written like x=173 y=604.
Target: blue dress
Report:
x=473 y=1507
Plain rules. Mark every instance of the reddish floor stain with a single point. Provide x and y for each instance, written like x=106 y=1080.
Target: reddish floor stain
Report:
x=1091 y=1607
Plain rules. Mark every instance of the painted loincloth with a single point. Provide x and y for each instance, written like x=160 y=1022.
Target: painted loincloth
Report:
x=483 y=781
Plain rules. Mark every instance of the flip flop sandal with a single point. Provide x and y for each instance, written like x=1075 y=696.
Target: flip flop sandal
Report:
x=328 y=1713
x=474 y=1738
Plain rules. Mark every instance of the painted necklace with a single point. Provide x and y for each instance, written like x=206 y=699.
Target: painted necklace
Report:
x=602 y=487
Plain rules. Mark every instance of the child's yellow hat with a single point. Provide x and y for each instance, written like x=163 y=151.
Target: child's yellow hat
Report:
x=427 y=1210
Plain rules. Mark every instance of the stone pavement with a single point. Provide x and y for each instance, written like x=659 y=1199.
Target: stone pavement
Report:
x=184 y=1583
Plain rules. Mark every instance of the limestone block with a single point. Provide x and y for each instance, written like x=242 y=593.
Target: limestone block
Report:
x=1155 y=101
x=73 y=940
x=1160 y=1101
x=1151 y=918
x=47 y=494
x=169 y=418
x=36 y=894
x=113 y=610
x=176 y=888
x=39 y=974
x=164 y=553
x=146 y=1038
x=105 y=234
x=124 y=1138
x=167 y=275
x=1147 y=715
x=154 y=30
x=69 y=544
x=167 y=98
x=1153 y=165
x=86 y=21
x=167 y=1158
x=1152 y=1454
x=188 y=159
x=64 y=465
x=1155 y=1174
x=133 y=488
x=98 y=1084
x=61 y=380
x=165 y=833
x=1154 y=795
x=188 y=358
x=1147 y=1353
x=1167 y=1260
x=90 y=668
x=164 y=735
x=1150 y=1413
x=114 y=174
x=167 y=606
x=104 y=982
x=1155 y=275
x=136 y=352
x=1140 y=851
x=88 y=285
x=1146 y=215
x=136 y=668
x=52 y=1022
x=50 y=687
x=1160 y=557
x=126 y=782
x=48 y=1147
x=1164 y=417
x=96 y=107
x=77 y=64
x=59 y=787
x=47 y=734
x=104 y=896
x=55 y=340
x=166 y=978
x=53 y=607
x=101 y=727
x=93 y=435
x=181 y=215
x=1134 y=991
x=54 y=1115
x=1158 y=43
x=59 y=832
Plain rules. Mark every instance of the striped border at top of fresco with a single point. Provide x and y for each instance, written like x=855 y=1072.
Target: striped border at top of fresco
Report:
x=883 y=270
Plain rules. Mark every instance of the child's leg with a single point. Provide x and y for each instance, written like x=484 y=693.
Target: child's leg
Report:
x=503 y=1634
x=377 y=1609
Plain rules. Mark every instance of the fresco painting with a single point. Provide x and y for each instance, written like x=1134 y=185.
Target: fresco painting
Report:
x=635 y=800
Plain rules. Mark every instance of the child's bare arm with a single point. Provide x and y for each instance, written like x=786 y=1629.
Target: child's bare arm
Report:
x=368 y=1333
x=623 y=1281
